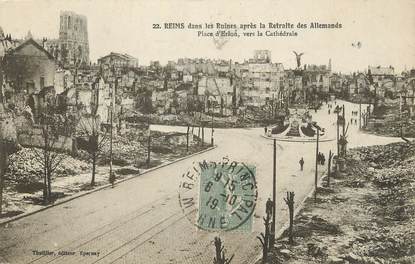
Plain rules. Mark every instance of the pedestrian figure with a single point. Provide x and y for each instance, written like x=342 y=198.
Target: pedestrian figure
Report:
x=265 y=129
x=323 y=159
x=301 y=163
x=329 y=111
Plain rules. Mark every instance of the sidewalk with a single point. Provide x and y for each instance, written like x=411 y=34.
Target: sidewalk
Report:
x=322 y=174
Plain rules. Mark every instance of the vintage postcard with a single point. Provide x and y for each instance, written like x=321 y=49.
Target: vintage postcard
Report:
x=198 y=132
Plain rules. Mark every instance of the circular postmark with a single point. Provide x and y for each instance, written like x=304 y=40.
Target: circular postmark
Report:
x=219 y=195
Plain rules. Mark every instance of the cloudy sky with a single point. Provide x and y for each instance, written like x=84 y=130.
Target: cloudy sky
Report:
x=385 y=29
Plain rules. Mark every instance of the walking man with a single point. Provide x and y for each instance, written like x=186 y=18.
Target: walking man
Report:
x=301 y=163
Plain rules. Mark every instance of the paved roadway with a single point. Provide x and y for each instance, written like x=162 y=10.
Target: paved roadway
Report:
x=140 y=220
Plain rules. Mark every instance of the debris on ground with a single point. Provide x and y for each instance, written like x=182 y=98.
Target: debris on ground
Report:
x=367 y=218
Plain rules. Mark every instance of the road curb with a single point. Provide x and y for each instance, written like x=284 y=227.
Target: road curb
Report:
x=298 y=140
x=73 y=197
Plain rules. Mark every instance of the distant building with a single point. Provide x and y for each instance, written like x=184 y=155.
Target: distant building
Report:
x=6 y=44
x=118 y=60
x=29 y=69
x=262 y=56
x=338 y=83
x=261 y=81
x=359 y=84
x=317 y=77
x=216 y=92
x=379 y=73
x=155 y=64
x=384 y=79
x=73 y=38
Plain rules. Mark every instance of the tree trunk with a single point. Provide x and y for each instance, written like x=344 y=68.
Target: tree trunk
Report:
x=45 y=184
x=94 y=162
x=291 y=209
x=187 y=139
x=203 y=135
x=49 y=173
x=329 y=170
x=148 y=148
x=3 y=165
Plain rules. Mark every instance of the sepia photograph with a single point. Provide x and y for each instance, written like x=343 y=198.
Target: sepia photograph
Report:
x=207 y=132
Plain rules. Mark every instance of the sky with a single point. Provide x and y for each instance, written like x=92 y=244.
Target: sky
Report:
x=384 y=28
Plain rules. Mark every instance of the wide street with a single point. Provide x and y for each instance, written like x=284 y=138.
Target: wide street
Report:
x=140 y=220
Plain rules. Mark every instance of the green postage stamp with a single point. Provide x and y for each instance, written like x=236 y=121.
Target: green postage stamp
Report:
x=219 y=196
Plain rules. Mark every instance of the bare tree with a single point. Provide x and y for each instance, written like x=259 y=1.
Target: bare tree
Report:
x=220 y=253
x=91 y=139
x=49 y=153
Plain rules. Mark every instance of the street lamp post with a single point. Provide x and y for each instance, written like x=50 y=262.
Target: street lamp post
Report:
x=360 y=114
x=187 y=138
x=148 y=142
x=337 y=138
x=111 y=178
x=274 y=192
x=203 y=134
x=316 y=170
x=400 y=114
x=344 y=122
x=211 y=138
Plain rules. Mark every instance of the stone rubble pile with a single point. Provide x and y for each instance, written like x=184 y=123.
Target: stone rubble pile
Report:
x=25 y=168
x=388 y=155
